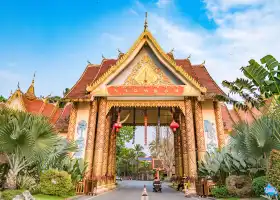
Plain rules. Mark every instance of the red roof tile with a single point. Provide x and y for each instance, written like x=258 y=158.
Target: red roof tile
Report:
x=33 y=106
x=63 y=121
x=56 y=115
x=48 y=109
x=228 y=122
x=91 y=73
x=206 y=80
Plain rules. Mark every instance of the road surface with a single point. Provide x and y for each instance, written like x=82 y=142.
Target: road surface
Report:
x=132 y=190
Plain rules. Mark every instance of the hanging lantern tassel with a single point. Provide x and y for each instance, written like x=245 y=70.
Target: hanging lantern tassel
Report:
x=117 y=126
x=174 y=125
x=145 y=128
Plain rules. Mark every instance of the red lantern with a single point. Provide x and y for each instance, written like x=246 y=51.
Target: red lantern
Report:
x=174 y=125
x=117 y=126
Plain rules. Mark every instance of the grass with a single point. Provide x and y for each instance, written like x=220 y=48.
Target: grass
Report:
x=47 y=197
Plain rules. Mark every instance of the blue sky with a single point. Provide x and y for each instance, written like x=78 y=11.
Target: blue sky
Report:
x=56 y=38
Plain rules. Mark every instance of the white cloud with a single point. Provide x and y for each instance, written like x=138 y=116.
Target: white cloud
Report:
x=132 y=11
x=163 y=3
x=241 y=34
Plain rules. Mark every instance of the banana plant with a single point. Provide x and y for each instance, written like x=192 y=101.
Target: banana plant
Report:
x=261 y=82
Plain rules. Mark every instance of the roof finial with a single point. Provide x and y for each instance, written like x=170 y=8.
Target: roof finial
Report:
x=189 y=56
x=11 y=92
x=18 y=86
x=172 y=50
x=33 y=80
x=203 y=63
x=103 y=57
x=146 y=21
x=119 y=50
x=88 y=62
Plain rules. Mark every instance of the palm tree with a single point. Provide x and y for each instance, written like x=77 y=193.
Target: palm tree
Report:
x=16 y=163
x=25 y=137
x=138 y=153
x=255 y=142
x=153 y=149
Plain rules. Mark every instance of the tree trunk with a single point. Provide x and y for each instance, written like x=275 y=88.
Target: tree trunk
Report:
x=11 y=182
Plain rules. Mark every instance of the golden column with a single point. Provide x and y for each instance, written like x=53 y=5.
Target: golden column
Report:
x=72 y=122
x=110 y=157
x=113 y=165
x=106 y=148
x=180 y=155
x=190 y=143
x=176 y=146
x=99 y=142
x=219 y=124
x=90 y=138
x=184 y=148
x=199 y=130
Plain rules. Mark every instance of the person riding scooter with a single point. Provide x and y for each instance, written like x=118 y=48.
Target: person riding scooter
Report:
x=156 y=185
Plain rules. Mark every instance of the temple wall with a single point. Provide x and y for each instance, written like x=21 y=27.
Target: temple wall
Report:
x=16 y=104
x=81 y=127
x=209 y=124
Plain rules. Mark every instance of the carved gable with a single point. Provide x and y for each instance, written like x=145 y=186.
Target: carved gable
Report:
x=145 y=72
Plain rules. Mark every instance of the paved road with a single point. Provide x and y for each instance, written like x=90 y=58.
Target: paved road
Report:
x=132 y=190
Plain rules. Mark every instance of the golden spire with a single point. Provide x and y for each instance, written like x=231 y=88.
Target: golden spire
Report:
x=30 y=93
x=146 y=21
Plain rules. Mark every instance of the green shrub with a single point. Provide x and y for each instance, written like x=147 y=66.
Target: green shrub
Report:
x=220 y=192
x=258 y=185
x=54 y=182
x=239 y=186
x=273 y=172
x=10 y=194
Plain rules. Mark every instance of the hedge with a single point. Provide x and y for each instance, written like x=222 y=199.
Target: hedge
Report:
x=273 y=171
x=258 y=185
x=58 y=183
x=10 y=194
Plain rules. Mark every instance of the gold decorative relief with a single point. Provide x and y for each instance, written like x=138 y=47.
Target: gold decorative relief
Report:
x=145 y=72
x=145 y=103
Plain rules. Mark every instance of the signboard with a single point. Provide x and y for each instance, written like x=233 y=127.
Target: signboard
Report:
x=175 y=90
x=157 y=164
x=149 y=159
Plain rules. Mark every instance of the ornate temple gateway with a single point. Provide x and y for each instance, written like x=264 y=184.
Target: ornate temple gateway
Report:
x=145 y=87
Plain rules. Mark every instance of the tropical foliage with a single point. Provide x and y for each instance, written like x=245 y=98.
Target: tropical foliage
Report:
x=262 y=81
x=247 y=153
x=2 y=99
x=220 y=164
x=30 y=145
